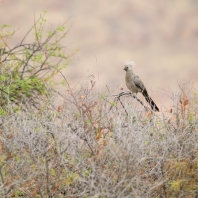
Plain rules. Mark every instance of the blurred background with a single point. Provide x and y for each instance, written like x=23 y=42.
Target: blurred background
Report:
x=160 y=36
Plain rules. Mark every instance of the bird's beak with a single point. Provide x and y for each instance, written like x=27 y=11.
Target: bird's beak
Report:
x=125 y=68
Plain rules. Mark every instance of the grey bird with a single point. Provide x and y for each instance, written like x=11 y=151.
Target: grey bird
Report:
x=135 y=84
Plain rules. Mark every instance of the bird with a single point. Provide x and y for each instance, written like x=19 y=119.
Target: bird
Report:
x=135 y=84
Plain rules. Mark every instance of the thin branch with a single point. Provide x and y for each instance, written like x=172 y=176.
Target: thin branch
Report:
x=76 y=103
x=127 y=93
x=35 y=22
x=47 y=178
x=3 y=182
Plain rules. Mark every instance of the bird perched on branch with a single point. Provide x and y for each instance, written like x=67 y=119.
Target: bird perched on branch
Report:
x=135 y=84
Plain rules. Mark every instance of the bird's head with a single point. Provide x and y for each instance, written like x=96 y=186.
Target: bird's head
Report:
x=129 y=66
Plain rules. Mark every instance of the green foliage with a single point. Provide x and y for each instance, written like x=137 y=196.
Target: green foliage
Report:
x=16 y=89
x=27 y=70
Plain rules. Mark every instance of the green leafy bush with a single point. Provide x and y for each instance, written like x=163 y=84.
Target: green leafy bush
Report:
x=28 y=68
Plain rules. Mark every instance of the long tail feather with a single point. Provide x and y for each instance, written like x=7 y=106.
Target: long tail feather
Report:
x=150 y=101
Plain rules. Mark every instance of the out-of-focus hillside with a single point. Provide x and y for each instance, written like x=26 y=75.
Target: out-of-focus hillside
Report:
x=160 y=36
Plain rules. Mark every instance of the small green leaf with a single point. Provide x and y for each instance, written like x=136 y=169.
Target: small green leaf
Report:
x=5 y=26
x=113 y=104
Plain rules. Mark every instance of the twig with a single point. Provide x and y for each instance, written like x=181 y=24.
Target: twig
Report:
x=3 y=182
x=98 y=74
x=47 y=178
x=126 y=93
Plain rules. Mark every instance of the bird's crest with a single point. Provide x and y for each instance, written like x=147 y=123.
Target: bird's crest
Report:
x=130 y=63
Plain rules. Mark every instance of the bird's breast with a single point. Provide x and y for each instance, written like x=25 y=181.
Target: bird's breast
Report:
x=130 y=84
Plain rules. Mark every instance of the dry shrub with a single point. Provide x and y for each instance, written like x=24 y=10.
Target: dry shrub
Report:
x=81 y=149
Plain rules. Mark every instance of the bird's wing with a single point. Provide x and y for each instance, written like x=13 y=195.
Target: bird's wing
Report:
x=138 y=82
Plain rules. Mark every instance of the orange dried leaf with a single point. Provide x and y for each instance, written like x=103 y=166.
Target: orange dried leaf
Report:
x=10 y=136
x=104 y=142
x=55 y=186
x=99 y=134
x=8 y=181
x=169 y=120
x=59 y=109
x=9 y=156
x=1 y=145
x=186 y=102
x=34 y=191
x=149 y=113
